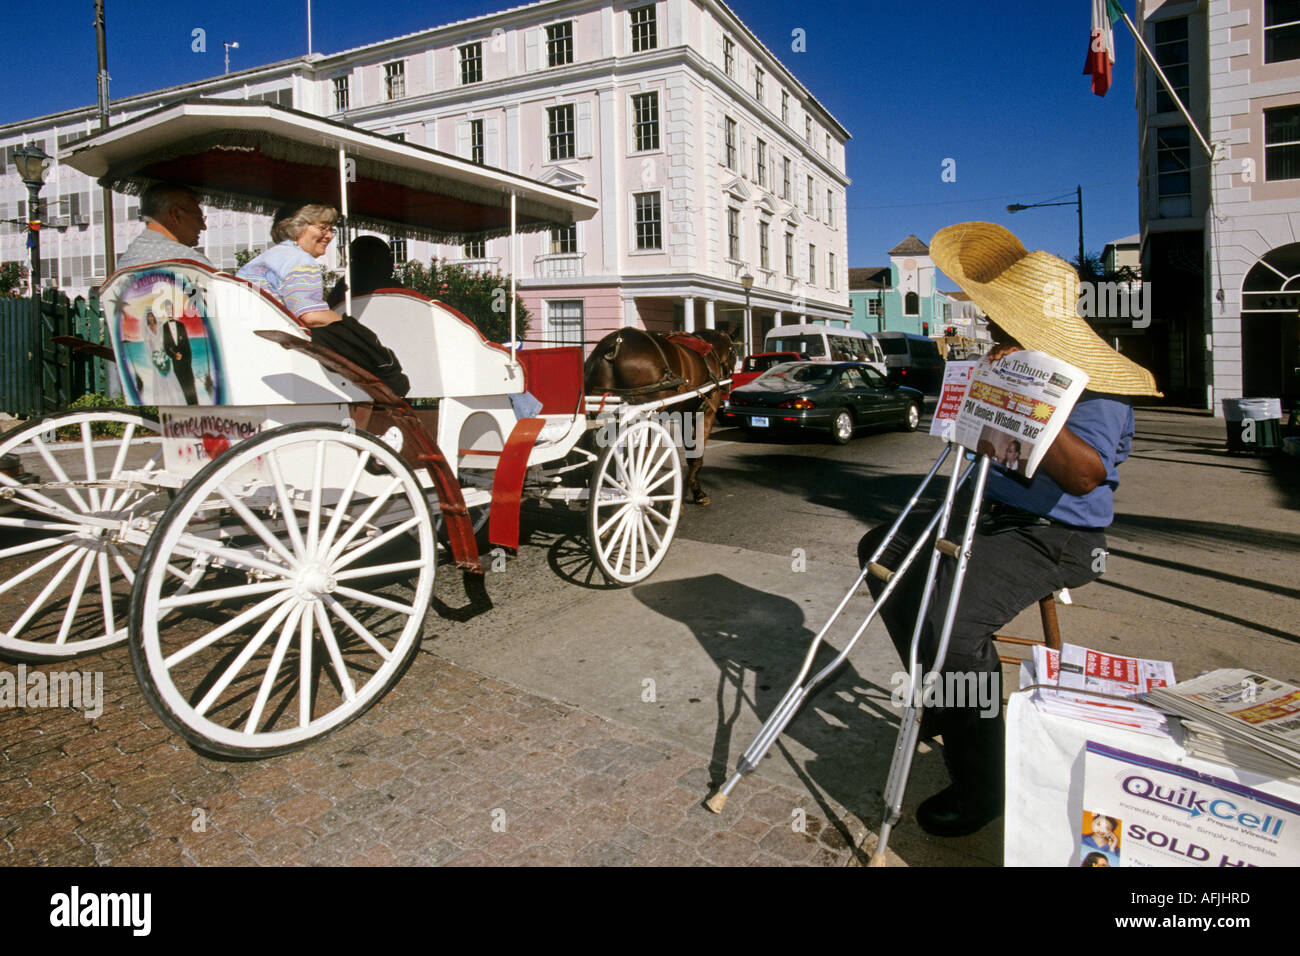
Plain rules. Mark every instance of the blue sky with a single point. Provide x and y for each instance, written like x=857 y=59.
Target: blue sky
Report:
x=1002 y=96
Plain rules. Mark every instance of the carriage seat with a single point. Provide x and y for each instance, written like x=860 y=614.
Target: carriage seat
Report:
x=224 y=311
x=441 y=351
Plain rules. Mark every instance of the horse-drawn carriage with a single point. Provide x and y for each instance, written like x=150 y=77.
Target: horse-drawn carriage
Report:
x=268 y=547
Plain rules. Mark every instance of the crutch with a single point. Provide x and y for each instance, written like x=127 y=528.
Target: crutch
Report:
x=905 y=745
x=802 y=687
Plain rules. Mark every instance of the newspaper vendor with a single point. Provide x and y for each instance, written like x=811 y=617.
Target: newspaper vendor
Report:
x=1034 y=537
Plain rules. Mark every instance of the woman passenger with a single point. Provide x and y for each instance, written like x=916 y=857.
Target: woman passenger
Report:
x=289 y=270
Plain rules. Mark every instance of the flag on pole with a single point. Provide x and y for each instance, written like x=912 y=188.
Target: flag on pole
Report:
x=1101 y=44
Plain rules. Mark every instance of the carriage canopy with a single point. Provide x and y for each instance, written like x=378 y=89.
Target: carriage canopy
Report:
x=255 y=157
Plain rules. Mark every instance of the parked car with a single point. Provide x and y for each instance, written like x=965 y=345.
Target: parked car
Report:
x=833 y=397
x=912 y=360
x=758 y=363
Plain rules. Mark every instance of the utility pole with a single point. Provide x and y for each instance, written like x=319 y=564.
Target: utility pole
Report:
x=101 y=42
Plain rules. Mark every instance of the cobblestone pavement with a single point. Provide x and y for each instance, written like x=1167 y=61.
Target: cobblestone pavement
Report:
x=451 y=767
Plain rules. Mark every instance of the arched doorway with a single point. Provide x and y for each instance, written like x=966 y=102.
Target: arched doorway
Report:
x=1270 y=326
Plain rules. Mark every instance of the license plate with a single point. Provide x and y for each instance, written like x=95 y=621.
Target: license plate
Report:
x=757 y=422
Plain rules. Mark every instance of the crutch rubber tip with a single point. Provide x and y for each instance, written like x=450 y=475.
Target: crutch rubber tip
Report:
x=877 y=859
x=716 y=802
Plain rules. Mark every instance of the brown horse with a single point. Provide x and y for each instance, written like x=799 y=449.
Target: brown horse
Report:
x=639 y=366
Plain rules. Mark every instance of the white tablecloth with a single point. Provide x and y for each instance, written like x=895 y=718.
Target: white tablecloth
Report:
x=1045 y=752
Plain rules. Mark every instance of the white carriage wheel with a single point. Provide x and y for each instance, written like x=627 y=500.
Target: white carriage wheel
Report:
x=284 y=638
x=65 y=577
x=636 y=501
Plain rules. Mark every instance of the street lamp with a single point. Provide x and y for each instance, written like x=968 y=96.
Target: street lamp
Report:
x=233 y=45
x=1016 y=207
x=33 y=165
x=747 y=283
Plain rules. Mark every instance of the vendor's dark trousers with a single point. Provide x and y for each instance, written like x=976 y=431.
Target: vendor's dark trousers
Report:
x=1010 y=569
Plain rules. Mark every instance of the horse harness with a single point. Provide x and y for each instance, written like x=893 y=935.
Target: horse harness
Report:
x=671 y=379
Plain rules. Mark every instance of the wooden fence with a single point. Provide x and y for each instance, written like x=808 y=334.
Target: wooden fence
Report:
x=37 y=375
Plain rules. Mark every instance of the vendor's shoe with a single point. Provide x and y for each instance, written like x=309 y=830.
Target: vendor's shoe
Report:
x=953 y=813
x=973 y=749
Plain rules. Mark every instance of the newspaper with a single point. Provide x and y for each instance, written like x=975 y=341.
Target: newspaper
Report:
x=1226 y=710
x=1015 y=408
x=1076 y=676
x=956 y=379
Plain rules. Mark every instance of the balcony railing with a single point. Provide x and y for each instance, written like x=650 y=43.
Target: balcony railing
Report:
x=488 y=267
x=559 y=265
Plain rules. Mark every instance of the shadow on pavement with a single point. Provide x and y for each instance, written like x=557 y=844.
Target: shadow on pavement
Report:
x=758 y=640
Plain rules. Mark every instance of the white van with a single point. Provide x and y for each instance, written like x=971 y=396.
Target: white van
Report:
x=825 y=343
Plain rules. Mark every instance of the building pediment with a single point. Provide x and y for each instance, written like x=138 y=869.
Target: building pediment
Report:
x=767 y=204
x=793 y=216
x=562 y=178
x=737 y=189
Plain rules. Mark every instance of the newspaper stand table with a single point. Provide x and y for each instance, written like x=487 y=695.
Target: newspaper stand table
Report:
x=1044 y=779
x=256 y=527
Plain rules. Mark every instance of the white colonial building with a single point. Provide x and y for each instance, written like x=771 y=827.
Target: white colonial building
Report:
x=1221 y=237
x=710 y=161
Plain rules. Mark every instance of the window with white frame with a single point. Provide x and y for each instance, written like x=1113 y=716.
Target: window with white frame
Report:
x=395 y=80
x=785 y=107
x=812 y=197
x=764 y=253
x=645 y=122
x=644 y=35
x=789 y=254
x=1282 y=143
x=399 y=252
x=874 y=307
x=475 y=249
x=649 y=220
x=828 y=145
x=729 y=143
x=340 y=94
x=812 y=264
x=728 y=56
x=785 y=178
x=476 y=149
x=830 y=270
x=471 y=63
x=733 y=233
x=760 y=156
x=830 y=208
x=1281 y=30
x=560 y=132
x=759 y=76
x=807 y=130
x=559 y=43
x=564 y=322
x=564 y=240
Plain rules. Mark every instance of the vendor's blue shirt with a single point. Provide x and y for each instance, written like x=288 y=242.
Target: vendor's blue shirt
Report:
x=1106 y=423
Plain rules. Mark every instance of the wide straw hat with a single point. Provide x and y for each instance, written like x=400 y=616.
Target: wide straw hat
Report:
x=1032 y=295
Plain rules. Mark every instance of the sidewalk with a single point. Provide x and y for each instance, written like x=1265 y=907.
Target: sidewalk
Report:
x=475 y=772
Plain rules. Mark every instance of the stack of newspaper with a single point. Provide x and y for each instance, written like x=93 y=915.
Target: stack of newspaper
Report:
x=1102 y=688
x=1239 y=718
